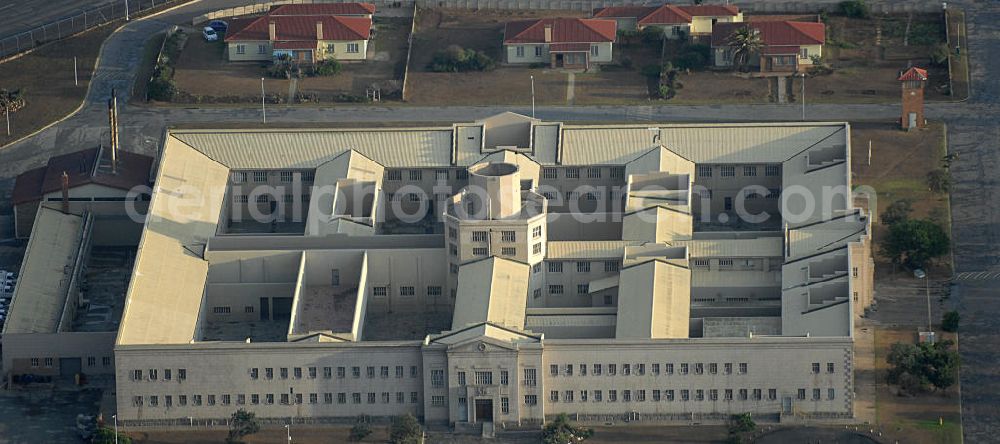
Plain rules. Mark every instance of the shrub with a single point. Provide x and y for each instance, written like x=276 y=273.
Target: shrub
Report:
x=454 y=58
x=560 y=431
x=360 y=430
x=693 y=57
x=162 y=89
x=939 y=55
x=327 y=68
x=106 y=435
x=242 y=423
x=939 y=181
x=405 y=430
x=854 y=8
x=949 y=322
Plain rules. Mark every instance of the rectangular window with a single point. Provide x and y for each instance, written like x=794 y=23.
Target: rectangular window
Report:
x=656 y=396
x=772 y=170
x=536 y=249
x=414 y=397
x=555 y=289
x=504 y=377
x=508 y=236
x=356 y=398
x=815 y=367
x=152 y=371
x=437 y=401
x=341 y=398
x=728 y=171
x=743 y=394
x=536 y=293
x=461 y=378
x=699 y=395
x=530 y=378
x=553 y=370
x=640 y=395
x=241 y=49
x=611 y=266
x=380 y=291
x=479 y=236
x=554 y=396
x=385 y=397
x=705 y=171
x=804 y=53
x=612 y=369
x=756 y=394
x=801 y=394
x=416 y=175
x=670 y=395
x=568 y=396
x=582 y=288
x=612 y=395
x=371 y=397
x=830 y=394
x=816 y=394
x=530 y=400
x=572 y=173
x=508 y=251
x=772 y=394
x=370 y=371
x=519 y=51
x=583 y=267
x=727 y=368
x=594 y=50
x=598 y=395
x=729 y=394
x=393 y=175
x=743 y=368
x=555 y=267
x=353 y=48
x=583 y=369
x=550 y=173
x=406 y=291
x=597 y=369
x=684 y=369
x=699 y=368
x=669 y=369
x=656 y=369
x=713 y=368
x=569 y=369
x=626 y=369
x=750 y=171
x=437 y=378
x=829 y=367
x=713 y=395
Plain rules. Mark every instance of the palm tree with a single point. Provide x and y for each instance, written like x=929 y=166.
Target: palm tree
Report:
x=744 y=42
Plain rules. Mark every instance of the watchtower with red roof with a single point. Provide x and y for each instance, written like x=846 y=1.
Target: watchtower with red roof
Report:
x=913 y=81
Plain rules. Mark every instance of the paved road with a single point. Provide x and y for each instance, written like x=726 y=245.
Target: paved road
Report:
x=973 y=134
x=17 y=16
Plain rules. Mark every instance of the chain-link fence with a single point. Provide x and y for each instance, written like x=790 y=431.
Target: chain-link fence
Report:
x=83 y=21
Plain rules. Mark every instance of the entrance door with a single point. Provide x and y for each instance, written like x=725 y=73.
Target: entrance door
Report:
x=912 y=120
x=484 y=410
x=559 y=61
x=265 y=309
x=69 y=367
x=786 y=405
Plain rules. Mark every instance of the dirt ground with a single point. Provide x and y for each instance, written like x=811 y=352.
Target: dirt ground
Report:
x=300 y=435
x=899 y=166
x=867 y=54
x=240 y=82
x=46 y=76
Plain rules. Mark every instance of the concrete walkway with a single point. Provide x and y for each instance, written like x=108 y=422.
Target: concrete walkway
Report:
x=570 y=88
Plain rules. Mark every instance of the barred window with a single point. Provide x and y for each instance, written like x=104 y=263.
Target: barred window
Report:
x=416 y=174
x=583 y=267
x=728 y=171
x=479 y=236
x=555 y=289
x=594 y=173
x=550 y=173
x=772 y=170
x=393 y=175
x=555 y=267
x=260 y=176
x=572 y=173
x=610 y=266
x=705 y=171
x=286 y=176
x=750 y=171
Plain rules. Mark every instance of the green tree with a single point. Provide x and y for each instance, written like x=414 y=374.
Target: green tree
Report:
x=897 y=211
x=949 y=322
x=854 y=8
x=106 y=435
x=241 y=424
x=915 y=242
x=923 y=366
x=454 y=58
x=744 y=42
x=560 y=431
x=361 y=429
x=405 y=430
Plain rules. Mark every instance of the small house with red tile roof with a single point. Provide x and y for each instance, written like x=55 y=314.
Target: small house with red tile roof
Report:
x=90 y=184
x=304 y=32
x=573 y=43
x=787 y=46
x=675 y=21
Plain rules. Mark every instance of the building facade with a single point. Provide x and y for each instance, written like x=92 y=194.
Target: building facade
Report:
x=490 y=296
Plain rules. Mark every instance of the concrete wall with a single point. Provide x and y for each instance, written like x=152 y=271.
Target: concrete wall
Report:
x=338 y=50
x=252 y=51
x=95 y=351
x=225 y=369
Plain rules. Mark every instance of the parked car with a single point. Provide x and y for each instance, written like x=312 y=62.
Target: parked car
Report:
x=209 y=34
x=219 y=26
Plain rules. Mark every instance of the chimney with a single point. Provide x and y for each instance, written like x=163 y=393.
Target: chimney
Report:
x=319 y=30
x=548 y=32
x=65 y=192
x=271 y=32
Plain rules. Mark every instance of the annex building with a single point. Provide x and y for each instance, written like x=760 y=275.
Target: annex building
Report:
x=497 y=272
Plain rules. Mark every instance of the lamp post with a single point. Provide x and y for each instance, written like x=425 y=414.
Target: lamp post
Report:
x=288 y=432
x=263 y=111
x=803 y=96
x=126 y=10
x=532 y=97
x=115 y=418
x=6 y=112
